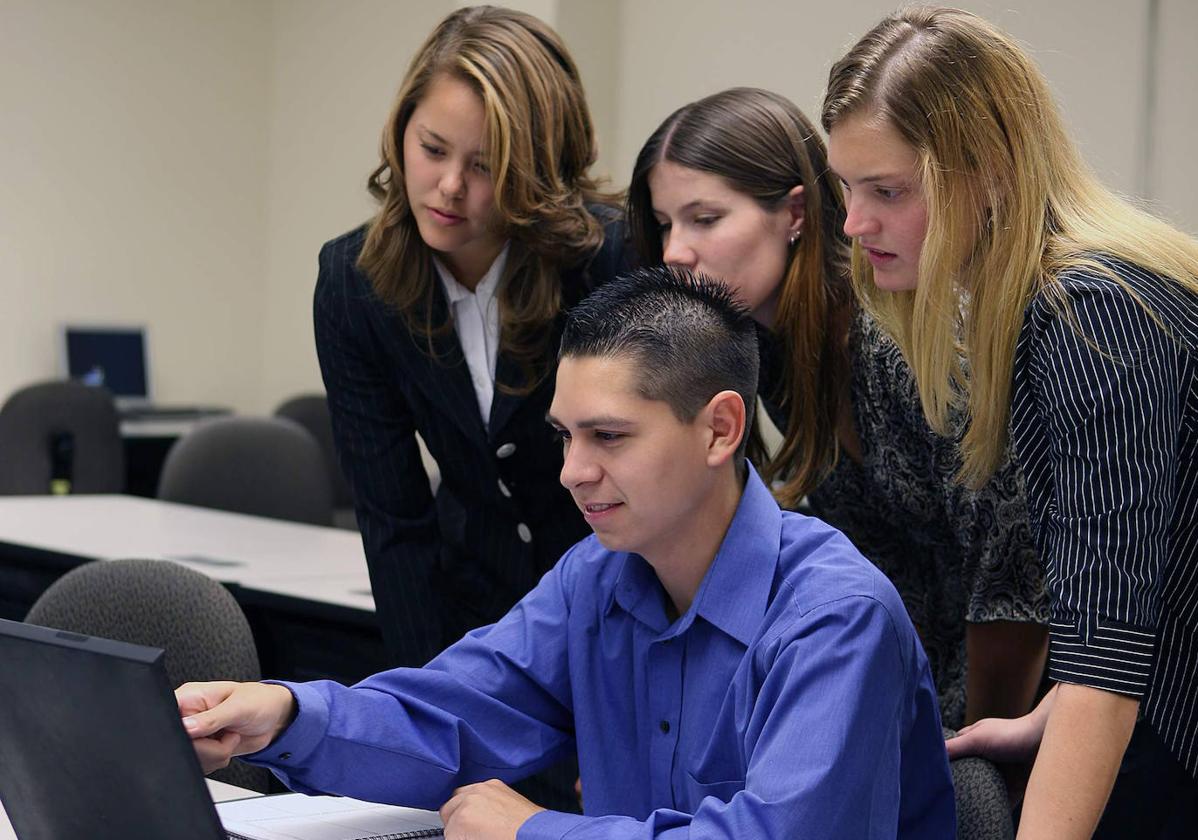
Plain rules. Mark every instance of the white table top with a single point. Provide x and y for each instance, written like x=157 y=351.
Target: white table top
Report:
x=303 y=561
x=220 y=791
x=158 y=428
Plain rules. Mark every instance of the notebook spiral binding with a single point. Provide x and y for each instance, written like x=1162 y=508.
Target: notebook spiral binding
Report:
x=403 y=835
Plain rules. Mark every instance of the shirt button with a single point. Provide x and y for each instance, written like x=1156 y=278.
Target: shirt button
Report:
x=665 y=727
x=284 y=756
x=525 y=532
x=506 y=450
x=507 y=494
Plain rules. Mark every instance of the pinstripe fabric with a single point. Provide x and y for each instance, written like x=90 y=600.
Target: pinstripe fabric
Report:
x=439 y=567
x=1104 y=421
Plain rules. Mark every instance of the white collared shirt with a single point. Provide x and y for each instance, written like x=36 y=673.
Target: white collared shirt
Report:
x=476 y=321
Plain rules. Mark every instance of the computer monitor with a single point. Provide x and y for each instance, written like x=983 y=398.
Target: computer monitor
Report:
x=108 y=356
x=91 y=744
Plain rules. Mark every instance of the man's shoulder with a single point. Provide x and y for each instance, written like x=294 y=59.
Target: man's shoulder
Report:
x=819 y=567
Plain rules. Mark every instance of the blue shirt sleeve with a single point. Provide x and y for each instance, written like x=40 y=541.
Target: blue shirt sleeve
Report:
x=496 y=704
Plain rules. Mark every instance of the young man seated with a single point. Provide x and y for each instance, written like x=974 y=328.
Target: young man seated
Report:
x=721 y=667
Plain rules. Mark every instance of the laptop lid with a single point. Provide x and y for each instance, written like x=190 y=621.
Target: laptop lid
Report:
x=110 y=356
x=91 y=744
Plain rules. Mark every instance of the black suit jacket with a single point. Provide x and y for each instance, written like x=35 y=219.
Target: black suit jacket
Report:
x=501 y=519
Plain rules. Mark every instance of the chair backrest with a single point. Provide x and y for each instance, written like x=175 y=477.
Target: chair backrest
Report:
x=312 y=412
x=161 y=604
x=983 y=812
x=265 y=466
x=54 y=427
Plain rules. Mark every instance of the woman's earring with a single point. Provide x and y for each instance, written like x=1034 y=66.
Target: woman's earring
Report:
x=794 y=237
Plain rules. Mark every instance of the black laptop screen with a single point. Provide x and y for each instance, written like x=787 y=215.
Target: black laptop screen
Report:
x=113 y=358
x=90 y=742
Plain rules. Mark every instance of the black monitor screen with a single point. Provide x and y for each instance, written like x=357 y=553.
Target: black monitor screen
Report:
x=112 y=358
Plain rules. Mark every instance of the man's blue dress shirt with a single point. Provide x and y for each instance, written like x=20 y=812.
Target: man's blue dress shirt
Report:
x=792 y=700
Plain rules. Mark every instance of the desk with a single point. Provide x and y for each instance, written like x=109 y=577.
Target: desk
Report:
x=220 y=791
x=304 y=588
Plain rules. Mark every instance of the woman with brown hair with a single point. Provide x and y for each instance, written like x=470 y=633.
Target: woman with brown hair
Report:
x=1042 y=313
x=441 y=317
x=735 y=185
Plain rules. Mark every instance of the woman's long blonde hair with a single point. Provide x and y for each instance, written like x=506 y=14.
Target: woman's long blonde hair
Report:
x=1011 y=205
x=539 y=147
x=763 y=146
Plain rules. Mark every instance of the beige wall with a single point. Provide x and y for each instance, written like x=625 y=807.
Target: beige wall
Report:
x=674 y=51
x=1174 y=173
x=334 y=71
x=179 y=163
x=132 y=185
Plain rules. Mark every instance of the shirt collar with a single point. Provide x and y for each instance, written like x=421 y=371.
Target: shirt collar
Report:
x=735 y=592
x=455 y=291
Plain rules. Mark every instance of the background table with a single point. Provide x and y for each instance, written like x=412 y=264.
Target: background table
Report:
x=304 y=588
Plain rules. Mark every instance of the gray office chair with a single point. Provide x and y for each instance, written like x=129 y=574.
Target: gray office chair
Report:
x=312 y=412
x=981 y=795
x=265 y=466
x=160 y=604
x=60 y=430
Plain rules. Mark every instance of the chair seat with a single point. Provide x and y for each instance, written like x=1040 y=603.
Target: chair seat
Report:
x=161 y=604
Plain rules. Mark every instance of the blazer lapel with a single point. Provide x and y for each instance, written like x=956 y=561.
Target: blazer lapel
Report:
x=504 y=404
x=445 y=376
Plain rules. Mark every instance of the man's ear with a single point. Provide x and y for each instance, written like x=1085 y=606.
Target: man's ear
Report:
x=725 y=418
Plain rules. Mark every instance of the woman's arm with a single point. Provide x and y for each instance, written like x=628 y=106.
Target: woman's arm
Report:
x=1084 y=740
x=376 y=444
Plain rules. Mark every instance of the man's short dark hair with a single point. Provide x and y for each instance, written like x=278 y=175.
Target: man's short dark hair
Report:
x=688 y=335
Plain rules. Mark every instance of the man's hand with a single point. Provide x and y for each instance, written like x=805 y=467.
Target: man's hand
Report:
x=486 y=811
x=225 y=719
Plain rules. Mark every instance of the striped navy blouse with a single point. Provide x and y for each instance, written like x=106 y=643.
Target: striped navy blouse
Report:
x=1104 y=421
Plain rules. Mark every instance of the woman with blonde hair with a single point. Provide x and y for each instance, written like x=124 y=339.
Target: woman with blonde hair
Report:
x=1047 y=313
x=442 y=317
x=735 y=185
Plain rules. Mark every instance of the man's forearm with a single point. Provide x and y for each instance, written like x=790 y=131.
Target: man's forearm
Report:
x=1084 y=741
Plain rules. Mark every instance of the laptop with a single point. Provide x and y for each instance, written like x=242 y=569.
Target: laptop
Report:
x=115 y=357
x=91 y=745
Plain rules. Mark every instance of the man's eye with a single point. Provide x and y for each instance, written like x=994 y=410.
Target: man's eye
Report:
x=608 y=437
x=561 y=435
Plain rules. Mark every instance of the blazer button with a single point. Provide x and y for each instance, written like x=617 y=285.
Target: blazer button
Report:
x=507 y=494
x=525 y=532
x=506 y=450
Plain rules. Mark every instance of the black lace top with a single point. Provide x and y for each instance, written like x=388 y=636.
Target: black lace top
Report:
x=954 y=555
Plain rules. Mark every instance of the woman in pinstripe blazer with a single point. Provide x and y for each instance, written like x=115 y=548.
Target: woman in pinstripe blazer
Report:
x=441 y=317
x=976 y=224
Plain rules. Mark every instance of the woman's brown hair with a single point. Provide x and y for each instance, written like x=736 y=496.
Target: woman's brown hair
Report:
x=539 y=147
x=762 y=145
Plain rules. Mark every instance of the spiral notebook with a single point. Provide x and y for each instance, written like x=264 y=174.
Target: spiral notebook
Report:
x=296 y=816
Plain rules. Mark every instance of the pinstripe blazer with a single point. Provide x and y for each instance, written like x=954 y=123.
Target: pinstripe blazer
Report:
x=1104 y=420
x=501 y=519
